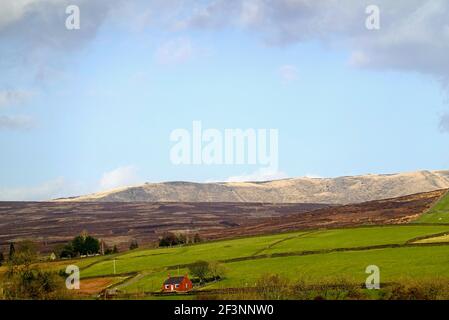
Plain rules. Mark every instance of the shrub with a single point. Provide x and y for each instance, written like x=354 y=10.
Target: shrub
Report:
x=217 y=270
x=24 y=280
x=33 y=283
x=273 y=287
x=200 y=269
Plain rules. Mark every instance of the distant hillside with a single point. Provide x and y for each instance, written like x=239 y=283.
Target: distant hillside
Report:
x=342 y=190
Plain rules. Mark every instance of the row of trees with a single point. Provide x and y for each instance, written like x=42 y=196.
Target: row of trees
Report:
x=87 y=245
x=84 y=244
x=173 y=239
x=79 y=246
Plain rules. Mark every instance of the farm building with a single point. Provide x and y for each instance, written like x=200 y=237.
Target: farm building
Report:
x=177 y=284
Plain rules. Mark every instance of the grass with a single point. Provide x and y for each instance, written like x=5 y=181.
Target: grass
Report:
x=439 y=213
x=158 y=259
x=394 y=264
x=151 y=264
x=357 y=237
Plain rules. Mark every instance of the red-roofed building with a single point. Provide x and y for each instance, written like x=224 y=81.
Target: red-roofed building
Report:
x=177 y=284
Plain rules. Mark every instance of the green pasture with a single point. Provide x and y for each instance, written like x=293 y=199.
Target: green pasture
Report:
x=439 y=213
x=152 y=264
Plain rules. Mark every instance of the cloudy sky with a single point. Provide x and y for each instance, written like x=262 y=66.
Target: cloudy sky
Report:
x=92 y=109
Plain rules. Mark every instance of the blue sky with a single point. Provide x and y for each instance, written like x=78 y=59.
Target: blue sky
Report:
x=82 y=119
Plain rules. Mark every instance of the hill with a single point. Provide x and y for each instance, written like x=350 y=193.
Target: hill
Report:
x=341 y=190
x=50 y=223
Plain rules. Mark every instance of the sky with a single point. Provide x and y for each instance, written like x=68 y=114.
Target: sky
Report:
x=91 y=109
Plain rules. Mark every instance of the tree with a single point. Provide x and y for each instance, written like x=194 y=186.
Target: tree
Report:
x=168 y=239
x=80 y=245
x=172 y=239
x=181 y=238
x=217 y=270
x=2 y=258
x=91 y=245
x=133 y=245
x=65 y=251
x=115 y=249
x=200 y=269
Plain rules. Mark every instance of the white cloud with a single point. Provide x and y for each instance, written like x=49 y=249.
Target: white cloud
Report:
x=288 y=73
x=13 y=10
x=46 y=191
x=119 y=177
x=413 y=37
x=175 y=51
x=414 y=34
x=14 y=97
x=33 y=34
x=262 y=174
x=252 y=12
x=16 y=123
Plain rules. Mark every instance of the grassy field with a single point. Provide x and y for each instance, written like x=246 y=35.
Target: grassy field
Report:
x=395 y=264
x=147 y=269
x=158 y=259
x=439 y=213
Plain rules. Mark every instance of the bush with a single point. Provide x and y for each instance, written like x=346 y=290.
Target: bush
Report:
x=273 y=287
x=433 y=289
x=25 y=253
x=26 y=281
x=216 y=270
x=200 y=269
x=33 y=283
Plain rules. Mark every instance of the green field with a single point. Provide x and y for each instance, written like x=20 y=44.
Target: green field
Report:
x=159 y=259
x=439 y=213
x=395 y=264
x=151 y=266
